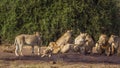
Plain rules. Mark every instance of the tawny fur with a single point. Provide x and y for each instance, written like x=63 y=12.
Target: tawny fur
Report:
x=25 y=39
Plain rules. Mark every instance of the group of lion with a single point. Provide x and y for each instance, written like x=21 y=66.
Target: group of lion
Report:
x=83 y=44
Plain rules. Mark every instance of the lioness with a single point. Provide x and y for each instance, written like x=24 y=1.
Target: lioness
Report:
x=65 y=38
x=80 y=39
x=100 y=49
x=24 y=39
x=89 y=44
x=55 y=47
x=114 y=41
x=56 y=50
x=103 y=39
x=103 y=46
x=84 y=43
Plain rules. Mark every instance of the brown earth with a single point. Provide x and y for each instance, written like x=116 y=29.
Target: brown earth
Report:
x=7 y=56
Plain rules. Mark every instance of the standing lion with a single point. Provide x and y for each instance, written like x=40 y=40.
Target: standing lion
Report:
x=26 y=39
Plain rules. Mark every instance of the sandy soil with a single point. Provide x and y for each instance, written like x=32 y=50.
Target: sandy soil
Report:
x=8 y=58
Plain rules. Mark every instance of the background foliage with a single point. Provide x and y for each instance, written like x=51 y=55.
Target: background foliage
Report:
x=53 y=17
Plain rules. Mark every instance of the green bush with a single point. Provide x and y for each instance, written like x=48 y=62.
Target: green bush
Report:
x=53 y=17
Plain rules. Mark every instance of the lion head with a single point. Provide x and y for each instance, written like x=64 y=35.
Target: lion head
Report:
x=103 y=39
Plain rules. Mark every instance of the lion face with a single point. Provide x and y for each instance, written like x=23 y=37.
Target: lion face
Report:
x=111 y=39
x=52 y=44
x=80 y=39
x=103 y=39
x=69 y=31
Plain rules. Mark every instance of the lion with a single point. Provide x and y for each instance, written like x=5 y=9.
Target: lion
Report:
x=80 y=39
x=96 y=49
x=89 y=44
x=47 y=51
x=103 y=39
x=25 y=39
x=85 y=46
x=65 y=38
x=53 y=49
x=84 y=43
x=80 y=42
x=114 y=41
x=102 y=45
x=100 y=49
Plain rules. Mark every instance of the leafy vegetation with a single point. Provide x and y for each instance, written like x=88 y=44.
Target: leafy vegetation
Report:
x=53 y=17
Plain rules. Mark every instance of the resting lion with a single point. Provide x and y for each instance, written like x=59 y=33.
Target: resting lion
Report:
x=80 y=39
x=59 y=44
x=25 y=39
x=100 y=49
x=89 y=44
x=114 y=41
x=103 y=39
x=102 y=46
x=54 y=49
x=84 y=43
x=65 y=38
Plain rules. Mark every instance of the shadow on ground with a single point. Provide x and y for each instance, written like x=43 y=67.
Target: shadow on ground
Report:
x=67 y=58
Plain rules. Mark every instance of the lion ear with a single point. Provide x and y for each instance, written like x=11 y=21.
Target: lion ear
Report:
x=112 y=35
x=69 y=30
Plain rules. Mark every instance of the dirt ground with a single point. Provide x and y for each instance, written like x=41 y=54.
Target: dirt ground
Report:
x=9 y=60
